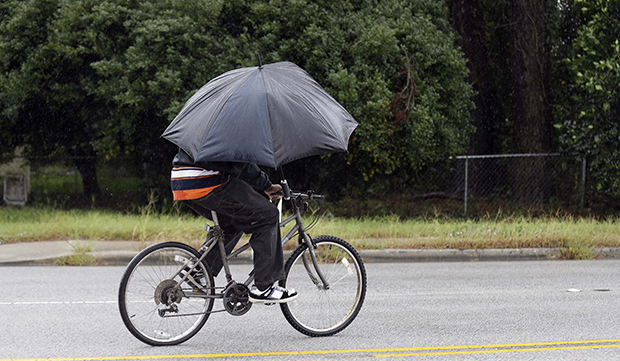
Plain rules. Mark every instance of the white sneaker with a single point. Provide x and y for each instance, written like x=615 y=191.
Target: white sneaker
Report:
x=273 y=294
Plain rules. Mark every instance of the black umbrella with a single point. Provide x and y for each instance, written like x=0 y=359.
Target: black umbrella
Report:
x=269 y=115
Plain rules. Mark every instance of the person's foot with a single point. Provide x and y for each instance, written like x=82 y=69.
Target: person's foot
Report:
x=273 y=294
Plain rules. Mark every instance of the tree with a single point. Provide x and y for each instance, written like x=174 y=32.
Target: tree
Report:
x=593 y=125
x=532 y=116
x=530 y=64
x=392 y=64
x=468 y=19
x=23 y=31
x=171 y=49
x=97 y=80
x=508 y=46
x=94 y=79
x=48 y=91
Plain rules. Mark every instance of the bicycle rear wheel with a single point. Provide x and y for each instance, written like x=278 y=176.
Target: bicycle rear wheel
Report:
x=320 y=311
x=153 y=307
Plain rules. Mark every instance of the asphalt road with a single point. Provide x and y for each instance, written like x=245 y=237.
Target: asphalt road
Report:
x=541 y=310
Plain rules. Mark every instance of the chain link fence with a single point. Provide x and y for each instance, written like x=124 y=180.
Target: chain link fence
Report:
x=483 y=184
x=462 y=186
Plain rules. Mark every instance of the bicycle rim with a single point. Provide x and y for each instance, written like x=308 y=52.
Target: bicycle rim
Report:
x=142 y=296
x=318 y=311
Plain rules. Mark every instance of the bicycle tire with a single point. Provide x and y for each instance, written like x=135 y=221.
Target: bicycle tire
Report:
x=142 y=295
x=318 y=312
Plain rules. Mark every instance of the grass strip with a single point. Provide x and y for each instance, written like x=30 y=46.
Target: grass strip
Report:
x=573 y=234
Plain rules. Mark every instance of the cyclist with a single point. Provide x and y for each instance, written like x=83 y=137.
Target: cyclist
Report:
x=236 y=192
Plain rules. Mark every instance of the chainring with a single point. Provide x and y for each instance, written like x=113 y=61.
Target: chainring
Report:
x=237 y=299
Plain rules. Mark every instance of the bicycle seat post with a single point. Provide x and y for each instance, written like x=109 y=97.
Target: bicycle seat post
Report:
x=215 y=221
x=219 y=234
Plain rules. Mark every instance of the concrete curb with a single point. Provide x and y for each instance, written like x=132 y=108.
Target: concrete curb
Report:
x=476 y=255
x=406 y=256
x=455 y=255
x=121 y=253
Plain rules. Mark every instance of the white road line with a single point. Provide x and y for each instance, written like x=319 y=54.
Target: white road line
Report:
x=55 y=302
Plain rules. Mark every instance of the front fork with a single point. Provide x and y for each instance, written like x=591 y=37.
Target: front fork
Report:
x=322 y=283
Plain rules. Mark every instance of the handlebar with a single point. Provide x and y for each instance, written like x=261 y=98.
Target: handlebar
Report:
x=307 y=195
x=302 y=195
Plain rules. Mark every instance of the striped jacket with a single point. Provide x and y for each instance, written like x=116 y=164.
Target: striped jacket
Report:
x=191 y=180
x=194 y=182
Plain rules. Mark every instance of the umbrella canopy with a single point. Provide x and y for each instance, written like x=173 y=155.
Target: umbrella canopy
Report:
x=269 y=115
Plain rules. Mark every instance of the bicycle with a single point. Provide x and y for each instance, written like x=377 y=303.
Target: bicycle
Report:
x=167 y=292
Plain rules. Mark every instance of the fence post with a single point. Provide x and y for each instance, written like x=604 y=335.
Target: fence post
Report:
x=582 y=187
x=466 y=176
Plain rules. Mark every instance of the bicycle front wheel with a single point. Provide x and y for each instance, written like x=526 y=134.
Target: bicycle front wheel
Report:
x=321 y=310
x=155 y=305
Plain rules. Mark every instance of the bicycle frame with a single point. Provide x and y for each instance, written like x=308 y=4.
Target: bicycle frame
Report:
x=218 y=240
x=161 y=276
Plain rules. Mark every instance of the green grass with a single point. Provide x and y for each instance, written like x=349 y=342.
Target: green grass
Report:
x=79 y=257
x=56 y=179
x=76 y=259
x=27 y=224
x=576 y=236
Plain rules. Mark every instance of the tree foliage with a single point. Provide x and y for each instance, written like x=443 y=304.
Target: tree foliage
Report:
x=392 y=64
x=48 y=86
x=23 y=33
x=102 y=79
x=593 y=126
x=168 y=49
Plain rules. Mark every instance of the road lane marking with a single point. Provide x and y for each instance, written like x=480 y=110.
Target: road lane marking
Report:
x=376 y=352
x=499 y=350
x=56 y=303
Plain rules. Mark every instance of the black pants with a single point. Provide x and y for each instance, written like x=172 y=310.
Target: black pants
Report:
x=240 y=209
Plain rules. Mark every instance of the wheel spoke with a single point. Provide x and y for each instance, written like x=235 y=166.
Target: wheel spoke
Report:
x=318 y=311
x=147 y=289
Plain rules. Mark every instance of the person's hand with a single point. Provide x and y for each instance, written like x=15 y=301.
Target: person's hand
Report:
x=272 y=192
